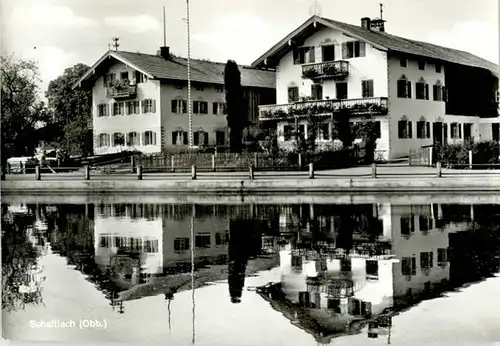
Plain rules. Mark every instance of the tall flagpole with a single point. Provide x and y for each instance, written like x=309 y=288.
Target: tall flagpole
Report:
x=190 y=109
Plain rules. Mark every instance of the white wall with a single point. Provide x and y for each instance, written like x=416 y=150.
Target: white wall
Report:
x=126 y=123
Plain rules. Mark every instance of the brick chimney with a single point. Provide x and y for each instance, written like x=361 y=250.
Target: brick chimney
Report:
x=165 y=52
x=377 y=25
x=365 y=23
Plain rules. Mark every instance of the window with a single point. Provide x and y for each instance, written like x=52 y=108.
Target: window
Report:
x=181 y=244
x=109 y=79
x=409 y=266
x=317 y=91
x=438 y=92
x=219 y=89
x=378 y=129
x=353 y=49
x=149 y=138
x=102 y=110
x=133 y=139
x=287 y=132
x=422 y=91
x=119 y=108
x=425 y=223
x=118 y=139
x=220 y=138
x=200 y=87
x=341 y=90
x=179 y=106
x=186 y=138
x=133 y=107
x=202 y=240
x=404 y=88
x=423 y=129
x=221 y=238
x=438 y=67
x=467 y=131
x=303 y=55
x=367 y=88
x=345 y=265
x=372 y=268
x=456 y=130
x=407 y=224
x=328 y=53
x=442 y=257
x=404 y=129
x=200 y=107
x=293 y=94
x=140 y=77
x=324 y=131
x=200 y=138
x=178 y=138
x=148 y=106
x=178 y=86
x=124 y=75
x=103 y=140
x=219 y=108
x=403 y=62
x=421 y=64
x=426 y=260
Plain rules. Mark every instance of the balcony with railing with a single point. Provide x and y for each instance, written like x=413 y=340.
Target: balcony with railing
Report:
x=326 y=70
x=121 y=90
x=350 y=107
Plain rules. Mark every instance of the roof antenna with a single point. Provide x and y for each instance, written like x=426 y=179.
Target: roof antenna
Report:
x=381 y=10
x=116 y=44
x=315 y=9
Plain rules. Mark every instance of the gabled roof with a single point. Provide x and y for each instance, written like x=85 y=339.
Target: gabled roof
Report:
x=175 y=68
x=387 y=42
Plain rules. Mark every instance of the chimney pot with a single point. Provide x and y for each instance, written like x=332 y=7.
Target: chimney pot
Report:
x=165 y=52
x=365 y=23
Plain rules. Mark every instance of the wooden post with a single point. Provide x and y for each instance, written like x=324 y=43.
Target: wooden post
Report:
x=431 y=149
x=172 y=162
x=438 y=173
x=300 y=161
x=139 y=172
x=311 y=171
x=213 y=162
x=470 y=159
x=132 y=163
x=193 y=172
x=256 y=159
x=374 y=170
x=250 y=172
x=38 y=174
x=87 y=172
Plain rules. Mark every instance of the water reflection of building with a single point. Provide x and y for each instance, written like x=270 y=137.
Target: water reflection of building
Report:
x=345 y=268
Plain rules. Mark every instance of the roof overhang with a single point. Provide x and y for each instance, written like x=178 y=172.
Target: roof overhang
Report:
x=108 y=55
x=301 y=33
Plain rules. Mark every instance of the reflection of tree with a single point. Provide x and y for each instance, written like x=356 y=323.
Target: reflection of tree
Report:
x=244 y=242
x=19 y=257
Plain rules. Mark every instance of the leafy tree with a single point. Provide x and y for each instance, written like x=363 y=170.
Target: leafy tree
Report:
x=72 y=110
x=22 y=111
x=235 y=101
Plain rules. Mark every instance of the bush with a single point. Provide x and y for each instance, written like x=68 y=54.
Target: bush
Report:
x=458 y=154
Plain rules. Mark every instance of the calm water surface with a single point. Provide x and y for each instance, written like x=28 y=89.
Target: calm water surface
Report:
x=251 y=274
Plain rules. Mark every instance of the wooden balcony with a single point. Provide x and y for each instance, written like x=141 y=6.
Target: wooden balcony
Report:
x=122 y=92
x=351 y=107
x=326 y=70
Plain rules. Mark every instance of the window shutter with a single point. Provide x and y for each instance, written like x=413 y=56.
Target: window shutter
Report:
x=296 y=58
x=445 y=94
x=459 y=130
x=401 y=88
x=345 y=51
x=362 y=49
x=364 y=88
x=408 y=91
x=214 y=107
x=174 y=106
x=428 y=130
x=434 y=92
x=154 y=137
x=426 y=91
x=419 y=130
x=291 y=95
x=314 y=92
x=401 y=127
x=154 y=106
x=143 y=107
x=410 y=129
x=205 y=139
x=196 y=138
x=185 y=138
x=174 y=137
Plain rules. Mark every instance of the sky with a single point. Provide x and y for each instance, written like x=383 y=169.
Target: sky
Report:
x=60 y=33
